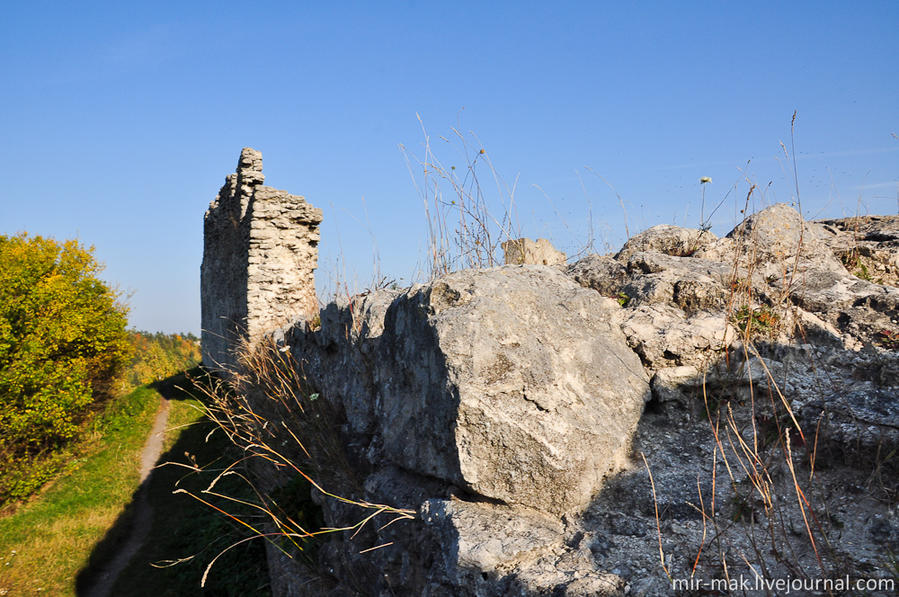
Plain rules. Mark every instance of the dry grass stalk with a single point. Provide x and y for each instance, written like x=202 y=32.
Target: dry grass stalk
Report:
x=268 y=411
x=760 y=493
x=655 y=502
x=463 y=231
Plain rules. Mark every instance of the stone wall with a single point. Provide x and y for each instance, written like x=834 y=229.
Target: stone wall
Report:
x=259 y=255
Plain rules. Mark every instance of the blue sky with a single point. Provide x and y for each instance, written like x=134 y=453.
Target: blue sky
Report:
x=119 y=121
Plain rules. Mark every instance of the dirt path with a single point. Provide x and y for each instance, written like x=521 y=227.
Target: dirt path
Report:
x=143 y=511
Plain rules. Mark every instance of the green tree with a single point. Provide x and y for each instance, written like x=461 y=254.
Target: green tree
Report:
x=158 y=355
x=62 y=341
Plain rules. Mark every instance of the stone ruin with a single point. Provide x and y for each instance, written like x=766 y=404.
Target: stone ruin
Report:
x=511 y=408
x=259 y=255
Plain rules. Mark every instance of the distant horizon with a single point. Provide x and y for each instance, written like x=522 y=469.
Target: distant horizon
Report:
x=121 y=122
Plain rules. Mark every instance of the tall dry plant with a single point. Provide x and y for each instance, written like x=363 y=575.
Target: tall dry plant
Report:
x=775 y=503
x=764 y=490
x=465 y=225
x=287 y=434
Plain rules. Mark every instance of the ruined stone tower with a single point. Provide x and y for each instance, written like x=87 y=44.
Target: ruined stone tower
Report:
x=260 y=250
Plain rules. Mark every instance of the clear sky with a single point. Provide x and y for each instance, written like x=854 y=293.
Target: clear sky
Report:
x=119 y=120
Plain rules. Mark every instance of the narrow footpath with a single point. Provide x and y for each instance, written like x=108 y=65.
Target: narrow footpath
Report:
x=143 y=511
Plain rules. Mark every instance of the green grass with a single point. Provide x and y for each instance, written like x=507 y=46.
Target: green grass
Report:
x=52 y=544
x=47 y=540
x=183 y=528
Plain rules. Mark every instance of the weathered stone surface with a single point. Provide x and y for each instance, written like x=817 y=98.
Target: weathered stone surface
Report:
x=259 y=255
x=489 y=539
x=867 y=245
x=501 y=551
x=668 y=384
x=342 y=354
x=778 y=233
x=858 y=308
x=673 y=306
x=682 y=314
x=492 y=380
x=601 y=273
x=678 y=309
x=667 y=239
x=524 y=251
x=663 y=336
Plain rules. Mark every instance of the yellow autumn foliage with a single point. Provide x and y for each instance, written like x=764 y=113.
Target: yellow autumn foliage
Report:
x=62 y=343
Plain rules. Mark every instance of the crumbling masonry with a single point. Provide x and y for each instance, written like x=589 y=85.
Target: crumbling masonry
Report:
x=260 y=250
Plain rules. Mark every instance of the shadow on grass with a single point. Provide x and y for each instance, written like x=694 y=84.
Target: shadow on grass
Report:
x=177 y=527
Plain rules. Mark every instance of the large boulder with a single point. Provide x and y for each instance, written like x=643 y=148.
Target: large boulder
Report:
x=493 y=380
x=500 y=378
x=774 y=240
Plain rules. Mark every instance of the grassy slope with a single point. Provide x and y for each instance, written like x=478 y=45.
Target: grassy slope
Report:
x=183 y=528
x=48 y=544
x=47 y=541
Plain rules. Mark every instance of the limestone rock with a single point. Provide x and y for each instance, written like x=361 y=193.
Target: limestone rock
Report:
x=778 y=233
x=503 y=406
x=664 y=337
x=488 y=538
x=524 y=251
x=500 y=551
x=867 y=245
x=602 y=273
x=683 y=313
x=673 y=306
x=668 y=384
x=667 y=239
x=535 y=369
x=492 y=380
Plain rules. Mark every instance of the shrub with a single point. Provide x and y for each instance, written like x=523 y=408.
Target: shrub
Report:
x=62 y=341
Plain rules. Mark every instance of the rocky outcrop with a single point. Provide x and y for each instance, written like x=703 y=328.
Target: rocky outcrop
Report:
x=511 y=410
x=868 y=246
x=716 y=324
x=821 y=332
x=667 y=239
